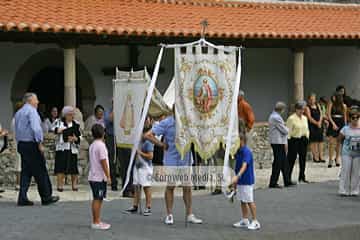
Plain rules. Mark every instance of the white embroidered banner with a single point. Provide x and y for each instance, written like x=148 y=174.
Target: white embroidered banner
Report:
x=204 y=89
x=129 y=94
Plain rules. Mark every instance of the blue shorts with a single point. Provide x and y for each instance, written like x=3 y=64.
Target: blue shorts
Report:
x=98 y=190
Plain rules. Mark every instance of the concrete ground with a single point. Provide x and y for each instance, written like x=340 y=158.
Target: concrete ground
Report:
x=311 y=211
x=307 y=211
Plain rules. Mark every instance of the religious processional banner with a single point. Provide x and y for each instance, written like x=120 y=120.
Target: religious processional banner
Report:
x=129 y=94
x=204 y=88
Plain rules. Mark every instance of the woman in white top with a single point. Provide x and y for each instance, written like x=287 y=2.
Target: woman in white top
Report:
x=48 y=123
x=349 y=184
x=67 y=148
x=18 y=105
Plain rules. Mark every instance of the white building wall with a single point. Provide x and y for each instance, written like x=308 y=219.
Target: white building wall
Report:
x=266 y=77
x=328 y=67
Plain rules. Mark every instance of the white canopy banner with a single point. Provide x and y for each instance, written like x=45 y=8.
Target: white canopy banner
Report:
x=129 y=94
x=204 y=95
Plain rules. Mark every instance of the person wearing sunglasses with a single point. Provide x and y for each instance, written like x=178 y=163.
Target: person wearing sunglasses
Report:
x=349 y=184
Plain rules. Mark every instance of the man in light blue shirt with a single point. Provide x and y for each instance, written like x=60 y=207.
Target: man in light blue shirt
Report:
x=29 y=137
x=172 y=158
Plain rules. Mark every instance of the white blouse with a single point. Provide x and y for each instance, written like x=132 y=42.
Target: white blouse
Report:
x=61 y=145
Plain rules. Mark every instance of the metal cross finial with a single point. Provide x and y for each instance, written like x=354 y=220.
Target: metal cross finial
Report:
x=204 y=23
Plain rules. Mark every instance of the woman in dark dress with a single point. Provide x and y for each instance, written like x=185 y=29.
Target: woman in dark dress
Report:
x=67 y=148
x=315 y=118
x=337 y=114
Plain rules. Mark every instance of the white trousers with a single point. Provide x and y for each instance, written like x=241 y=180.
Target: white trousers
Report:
x=350 y=175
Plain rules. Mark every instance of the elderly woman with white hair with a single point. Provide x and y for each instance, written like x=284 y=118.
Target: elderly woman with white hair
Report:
x=278 y=137
x=67 y=148
x=298 y=139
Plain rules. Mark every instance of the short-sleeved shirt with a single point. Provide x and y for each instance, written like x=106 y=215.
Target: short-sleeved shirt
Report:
x=351 y=145
x=167 y=128
x=97 y=153
x=147 y=147
x=244 y=155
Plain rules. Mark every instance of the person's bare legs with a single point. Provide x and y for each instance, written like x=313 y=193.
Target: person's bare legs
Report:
x=332 y=144
x=337 y=150
x=314 y=151
x=60 y=180
x=252 y=207
x=147 y=191
x=74 y=182
x=321 y=150
x=169 y=199
x=96 y=211
x=137 y=194
x=17 y=183
x=187 y=199
x=244 y=210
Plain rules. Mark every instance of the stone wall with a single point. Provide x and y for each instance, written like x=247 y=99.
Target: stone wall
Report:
x=7 y=159
x=259 y=144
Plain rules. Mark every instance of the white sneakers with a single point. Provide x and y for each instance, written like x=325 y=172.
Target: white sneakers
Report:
x=244 y=223
x=192 y=219
x=254 y=225
x=169 y=219
x=100 y=226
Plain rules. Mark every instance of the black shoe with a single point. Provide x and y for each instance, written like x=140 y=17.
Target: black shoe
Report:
x=2 y=190
x=275 y=186
x=216 y=192
x=51 y=200
x=114 y=188
x=25 y=203
x=304 y=181
x=337 y=165
x=291 y=184
x=330 y=166
x=322 y=161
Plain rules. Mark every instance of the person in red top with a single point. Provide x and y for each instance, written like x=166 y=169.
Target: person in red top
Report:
x=245 y=112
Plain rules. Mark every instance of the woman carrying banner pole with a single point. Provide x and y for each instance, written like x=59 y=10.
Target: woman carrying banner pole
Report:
x=172 y=160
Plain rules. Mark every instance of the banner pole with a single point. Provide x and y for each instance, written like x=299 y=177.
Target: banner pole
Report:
x=232 y=118
x=140 y=125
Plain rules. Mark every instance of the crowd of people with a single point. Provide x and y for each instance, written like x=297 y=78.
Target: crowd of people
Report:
x=308 y=125
x=311 y=123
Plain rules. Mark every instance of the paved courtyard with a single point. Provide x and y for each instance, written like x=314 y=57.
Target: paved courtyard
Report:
x=312 y=211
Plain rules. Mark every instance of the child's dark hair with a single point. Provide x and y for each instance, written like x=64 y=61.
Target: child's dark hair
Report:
x=99 y=108
x=98 y=131
x=147 y=128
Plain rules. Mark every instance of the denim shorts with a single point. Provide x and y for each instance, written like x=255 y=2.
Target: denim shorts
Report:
x=98 y=190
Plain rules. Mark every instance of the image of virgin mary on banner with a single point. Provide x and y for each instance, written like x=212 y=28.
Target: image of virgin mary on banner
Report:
x=204 y=89
x=129 y=95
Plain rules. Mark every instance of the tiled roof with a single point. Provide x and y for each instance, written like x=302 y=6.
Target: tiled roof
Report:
x=181 y=18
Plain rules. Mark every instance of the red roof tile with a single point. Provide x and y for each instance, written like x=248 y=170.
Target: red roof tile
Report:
x=182 y=17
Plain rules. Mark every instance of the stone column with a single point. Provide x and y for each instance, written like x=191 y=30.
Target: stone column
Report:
x=298 y=75
x=70 y=77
